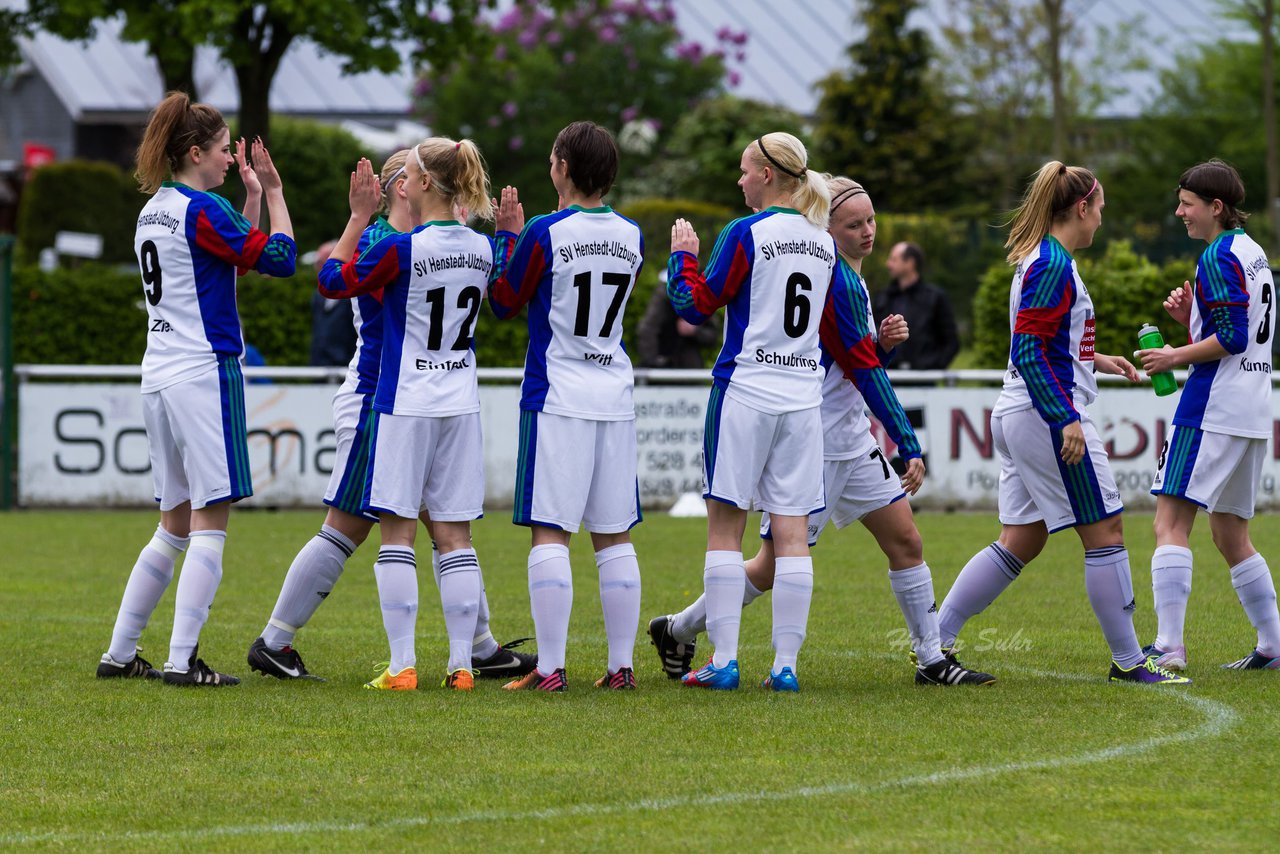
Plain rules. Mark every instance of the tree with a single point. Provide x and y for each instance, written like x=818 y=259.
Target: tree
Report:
x=885 y=121
x=1263 y=15
x=253 y=36
x=623 y=65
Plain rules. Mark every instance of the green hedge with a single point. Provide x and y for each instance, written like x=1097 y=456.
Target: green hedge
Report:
x=79 y=195
x=1127 y=291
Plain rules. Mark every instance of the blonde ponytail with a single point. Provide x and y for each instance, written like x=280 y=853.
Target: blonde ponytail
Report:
x=1055 y=190
x=458 y=173
x=787 y=157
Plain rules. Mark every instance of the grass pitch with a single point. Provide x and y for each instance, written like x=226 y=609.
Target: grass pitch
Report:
x=1051 y=757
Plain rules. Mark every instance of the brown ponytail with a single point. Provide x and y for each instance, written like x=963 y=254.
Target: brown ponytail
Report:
x=175 y=125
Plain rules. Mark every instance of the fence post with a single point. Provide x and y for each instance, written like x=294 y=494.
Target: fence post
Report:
x=8 y=389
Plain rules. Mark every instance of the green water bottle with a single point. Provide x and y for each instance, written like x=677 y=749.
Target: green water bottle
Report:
x=1149 y=338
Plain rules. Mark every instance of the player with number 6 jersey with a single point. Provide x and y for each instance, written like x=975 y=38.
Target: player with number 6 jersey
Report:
x=575 y=270
x=1213 y=456
x=190 y=246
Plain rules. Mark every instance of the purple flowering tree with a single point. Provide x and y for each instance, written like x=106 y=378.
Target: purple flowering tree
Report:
x=622 y=64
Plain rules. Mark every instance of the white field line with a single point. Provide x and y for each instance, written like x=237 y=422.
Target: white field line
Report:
x=1217 y=719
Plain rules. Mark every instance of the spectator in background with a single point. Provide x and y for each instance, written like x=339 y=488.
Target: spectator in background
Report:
x=333 y=330
x=668 y=341
x=934 y=340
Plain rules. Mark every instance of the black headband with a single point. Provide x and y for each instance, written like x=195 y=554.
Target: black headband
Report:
x=846 y=196
x=769 y=157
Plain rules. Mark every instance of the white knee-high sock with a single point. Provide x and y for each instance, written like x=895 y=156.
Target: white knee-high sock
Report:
x=460 y=601
x=792 y=593
x=913 y=588
x=1171 y=586
x=692 y=621
x=482 y=645
x=309 y=581
x=620 y=600
x=724 y=577
x=1110 y=588
x=147 y=582
x=983 y=578
x=396 y=571
x=197 y=583
x=551 y=600
x=1252 y=580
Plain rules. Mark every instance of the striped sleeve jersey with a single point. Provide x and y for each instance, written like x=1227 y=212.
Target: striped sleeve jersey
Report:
x=855 y=378
x=575 y=269
x=771 y=271
x=190 y=245
x=366 y=310
x=1051 y=351
x=432 y=281
x=1234 y=300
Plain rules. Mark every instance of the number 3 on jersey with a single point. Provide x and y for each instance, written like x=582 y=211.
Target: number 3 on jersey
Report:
x=582 y=284
x=1264 y=328
x=149 y=261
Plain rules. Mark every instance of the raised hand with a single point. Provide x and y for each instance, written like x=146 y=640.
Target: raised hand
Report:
x=684 y=238
x=366 y=193
x=265 y=168
x=248 y=177
x=510 y=216
x=1178 y=304
x=893 y=331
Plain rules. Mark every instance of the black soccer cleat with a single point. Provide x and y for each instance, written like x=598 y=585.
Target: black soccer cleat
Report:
x=283 y=663
x=137 y=668
x=948 y=673
x=197 y=673
x=676 y=656
x=506 y=663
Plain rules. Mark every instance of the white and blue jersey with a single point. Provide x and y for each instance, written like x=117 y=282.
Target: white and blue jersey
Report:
x=1234 y=300
x=433 y=281
x=366 y=311
x=772 y=270
x=1051 y=352
x=575 y=269
x=190 y=245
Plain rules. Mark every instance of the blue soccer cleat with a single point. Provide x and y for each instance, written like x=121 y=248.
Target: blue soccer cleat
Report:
x=784 y=681
x=716 y=678
x=1254 y=661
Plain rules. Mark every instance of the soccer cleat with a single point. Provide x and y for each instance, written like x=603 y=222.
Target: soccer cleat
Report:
x=1253 y=661
x=505 y=664
x=950 y=672
x=459 y=680
x=784 y=681
x=197 y=673
x=676 y=656
x=1147 y=672
x=1174 y=658
x=948 y=652
x=624 y=679
x=716 y=678
x=554 y=682
x=282 y=664
x=136 y=668
x=405 y=680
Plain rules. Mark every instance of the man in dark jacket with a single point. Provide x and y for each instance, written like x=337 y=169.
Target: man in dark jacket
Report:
x=934 y=339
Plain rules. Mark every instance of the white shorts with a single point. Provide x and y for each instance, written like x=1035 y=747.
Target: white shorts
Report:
x=431 y=463
x=1037 y=486
x=573 y=471
x=1221 y=473
x=353 y=428
x=763 y=461
x=197 y=439
x=854 y=488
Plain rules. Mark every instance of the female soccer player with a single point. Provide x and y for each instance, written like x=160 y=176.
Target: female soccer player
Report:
x=190 y=244
x=317 y=567
x=858 y=483
x=1213 y=458
x=424 y=445
x=1053 y=468
x=575 y=269
x=772 y=270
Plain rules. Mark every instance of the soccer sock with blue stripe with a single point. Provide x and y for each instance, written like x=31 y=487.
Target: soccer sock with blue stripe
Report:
x=310 y=579
x=396 y=571
x=460 y=601
x=620 y=599
x=1110 y=588
x=197 y=584
x=984 y=577
x=1252 y=580
x=1171 y=588
x=147 y=582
